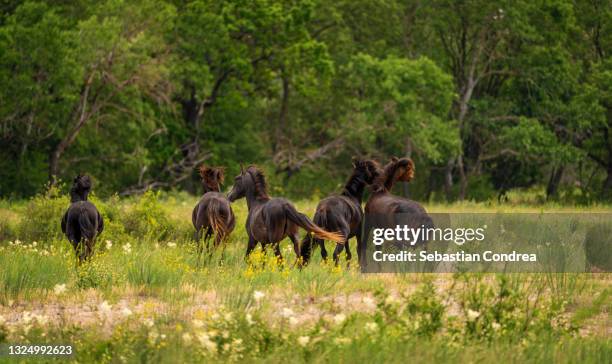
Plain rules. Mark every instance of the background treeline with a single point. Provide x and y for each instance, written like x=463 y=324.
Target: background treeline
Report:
x=485 y=96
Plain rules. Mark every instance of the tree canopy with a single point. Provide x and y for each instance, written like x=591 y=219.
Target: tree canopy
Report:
x=484 y=96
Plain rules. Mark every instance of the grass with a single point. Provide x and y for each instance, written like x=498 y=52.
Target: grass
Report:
x=147 y=297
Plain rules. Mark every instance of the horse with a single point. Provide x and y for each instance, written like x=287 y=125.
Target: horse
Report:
x=213 y=212
x=343 y=212
x=383 y=204
x=82 y=222
x=270 y=220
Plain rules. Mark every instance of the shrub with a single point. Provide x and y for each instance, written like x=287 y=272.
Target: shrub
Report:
x=513 y=309
x=42 y=216
x=148 y=219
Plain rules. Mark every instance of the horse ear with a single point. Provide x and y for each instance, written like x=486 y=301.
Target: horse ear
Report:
x=354 y=161
x=241 y=169
x=394 y=159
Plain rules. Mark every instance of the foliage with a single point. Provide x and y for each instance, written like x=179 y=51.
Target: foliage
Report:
x=485 y=96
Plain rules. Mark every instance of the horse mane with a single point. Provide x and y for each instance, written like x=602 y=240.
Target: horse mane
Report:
x=398 y=169
x=354 y=183
x=212 y=177
x=261 y=187
x=364 y=171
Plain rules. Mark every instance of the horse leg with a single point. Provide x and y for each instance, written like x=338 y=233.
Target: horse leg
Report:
x=219 y=241
x=337 y=251
x=89 y=248
x=306 y=249
x=349 y=256
x=321 y=243
x=82 y=251
x=340 y=247
x=358 y=237
x=251 y=245
x=277 y=252
x=296 y=248
x=207 y=236
x=196 y=238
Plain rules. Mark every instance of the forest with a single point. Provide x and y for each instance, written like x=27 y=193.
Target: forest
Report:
x=486 y=97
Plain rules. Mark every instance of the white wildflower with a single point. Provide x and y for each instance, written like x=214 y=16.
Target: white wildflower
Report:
x=339 y=318
x=59 y=289
x=258 y=295
x=207 y=343
x=371 y=327
x=496 y=326
x=342 y=340
x=187 y=338
x=293 y=321
x=153 y=335
x=41 y=319
x=105 y=309
x=171 y=245
x=249 y=319
x=390 y=300
x=368 y=301
x=149 y=322
x=109 y=244
x=26 y=317
x=472 y=315
x=197 y=323
x=287 y=312
x=126 y=312
x=303 y=340
x=127 y=248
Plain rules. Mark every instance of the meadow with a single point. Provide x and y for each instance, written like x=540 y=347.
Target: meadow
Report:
x=146 y=296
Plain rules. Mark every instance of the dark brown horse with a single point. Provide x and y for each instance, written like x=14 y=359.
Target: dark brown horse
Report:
x=270 y=220
x=82 y=222
x=213 y=213
x=343 y=213
x=383 y=204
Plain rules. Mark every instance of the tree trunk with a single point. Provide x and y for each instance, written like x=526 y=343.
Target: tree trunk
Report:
x=282 y=115
x=448 y=179
x=553 y=181
x=607 y=186
x=462 y=178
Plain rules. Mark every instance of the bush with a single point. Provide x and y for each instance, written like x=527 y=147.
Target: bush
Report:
x=511 y=308
x=597 y=246
x=43 y=215
x=148 y=219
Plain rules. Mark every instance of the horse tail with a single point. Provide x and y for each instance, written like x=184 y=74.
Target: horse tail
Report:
x=304 y=222
x=320 y=219
x=88 y=229
x=218 y=217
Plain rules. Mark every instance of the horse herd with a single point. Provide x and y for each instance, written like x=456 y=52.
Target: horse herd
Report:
x=337 y=218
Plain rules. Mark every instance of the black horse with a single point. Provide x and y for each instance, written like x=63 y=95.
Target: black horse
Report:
x=388 y=209
x=82 y=223
x=213 y=213
x=343 y=213
x=270 y=220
